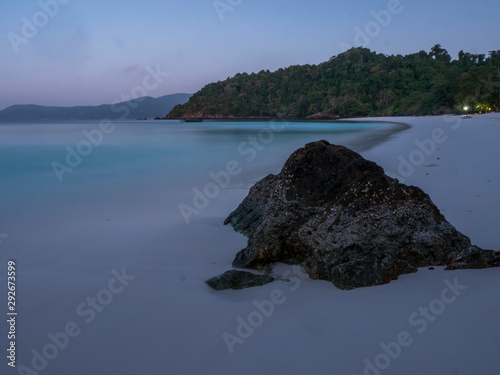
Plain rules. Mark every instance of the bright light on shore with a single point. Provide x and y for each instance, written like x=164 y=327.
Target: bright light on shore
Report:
x=466 y=108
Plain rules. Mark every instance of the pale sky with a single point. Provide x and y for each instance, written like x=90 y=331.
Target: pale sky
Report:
x=75 y=52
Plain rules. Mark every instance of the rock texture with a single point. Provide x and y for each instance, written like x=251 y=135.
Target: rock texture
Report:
x=344 y=220
x=238 y=280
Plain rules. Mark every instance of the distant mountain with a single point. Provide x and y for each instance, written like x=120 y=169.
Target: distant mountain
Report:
x=145 y=107
x=358 y=82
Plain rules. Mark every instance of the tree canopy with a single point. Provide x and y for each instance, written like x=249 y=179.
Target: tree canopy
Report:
x=358 y=82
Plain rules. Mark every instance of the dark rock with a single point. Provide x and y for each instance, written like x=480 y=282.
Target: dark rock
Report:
x=238 y=280
x=322 y=116
x=344 y=220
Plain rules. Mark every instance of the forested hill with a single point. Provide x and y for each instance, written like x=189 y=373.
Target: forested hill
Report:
x=145 y=107
x=358 y=82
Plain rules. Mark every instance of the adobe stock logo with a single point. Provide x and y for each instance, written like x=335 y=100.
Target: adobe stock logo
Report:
x=420 y=321
x=93 y=138
x=374 y=27
x=31 y=26
x=221 y=7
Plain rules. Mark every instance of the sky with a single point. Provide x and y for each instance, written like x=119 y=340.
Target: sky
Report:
x=76 y=52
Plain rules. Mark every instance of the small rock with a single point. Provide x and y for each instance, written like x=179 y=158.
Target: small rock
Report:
x=238 y=280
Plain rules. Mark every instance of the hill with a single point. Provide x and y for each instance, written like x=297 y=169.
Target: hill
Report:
x=145 y=107
x=358 y=82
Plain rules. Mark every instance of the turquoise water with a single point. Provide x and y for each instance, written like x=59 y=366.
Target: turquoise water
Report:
x=138 y=154
x=120 y=207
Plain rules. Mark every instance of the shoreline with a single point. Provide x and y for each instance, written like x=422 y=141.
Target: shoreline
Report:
x=307 y=119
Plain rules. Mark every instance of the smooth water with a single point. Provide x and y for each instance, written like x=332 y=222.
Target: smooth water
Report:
x=119 y=208
x=140 y=158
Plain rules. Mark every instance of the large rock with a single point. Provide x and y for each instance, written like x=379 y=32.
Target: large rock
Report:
x=344 y=220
